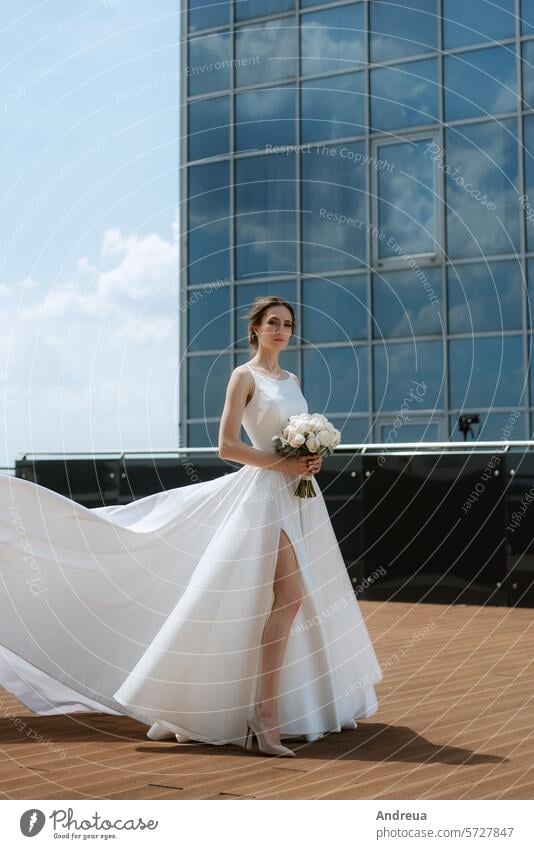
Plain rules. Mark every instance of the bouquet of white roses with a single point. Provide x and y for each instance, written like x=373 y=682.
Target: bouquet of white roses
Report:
x=307 y=433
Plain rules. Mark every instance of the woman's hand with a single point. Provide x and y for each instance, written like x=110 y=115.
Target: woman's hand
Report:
x=308 y=464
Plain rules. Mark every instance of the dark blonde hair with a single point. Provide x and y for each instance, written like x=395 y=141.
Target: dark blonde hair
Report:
x=257 y=311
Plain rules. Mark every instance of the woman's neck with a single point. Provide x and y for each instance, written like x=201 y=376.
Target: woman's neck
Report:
x=267 y=364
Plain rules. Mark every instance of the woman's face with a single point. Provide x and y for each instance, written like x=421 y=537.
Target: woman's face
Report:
x=276 y=328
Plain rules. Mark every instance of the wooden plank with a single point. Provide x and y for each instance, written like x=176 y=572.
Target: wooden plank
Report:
x=455 y=721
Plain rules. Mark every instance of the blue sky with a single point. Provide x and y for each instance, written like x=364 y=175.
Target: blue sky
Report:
x=89 y=158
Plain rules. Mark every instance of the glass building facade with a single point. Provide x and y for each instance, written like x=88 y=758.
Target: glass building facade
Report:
x=373 y=163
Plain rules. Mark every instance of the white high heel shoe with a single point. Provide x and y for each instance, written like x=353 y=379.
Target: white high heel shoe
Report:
x=159 y=732
x=183 y=739
x=254 y=729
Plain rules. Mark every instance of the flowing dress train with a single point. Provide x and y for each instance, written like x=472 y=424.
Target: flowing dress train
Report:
x=155 y=609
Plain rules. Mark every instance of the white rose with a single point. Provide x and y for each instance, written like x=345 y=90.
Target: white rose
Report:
x=297 y=440
x=325 y=438
x=312 y=444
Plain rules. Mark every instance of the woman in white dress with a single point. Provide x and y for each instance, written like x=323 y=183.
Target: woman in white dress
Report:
x=216 y=611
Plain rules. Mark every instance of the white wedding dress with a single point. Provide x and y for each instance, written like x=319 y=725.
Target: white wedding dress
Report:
x=155 y=609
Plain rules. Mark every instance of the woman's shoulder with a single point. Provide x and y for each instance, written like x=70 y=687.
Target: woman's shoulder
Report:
x=242 y=374
x=242 y=369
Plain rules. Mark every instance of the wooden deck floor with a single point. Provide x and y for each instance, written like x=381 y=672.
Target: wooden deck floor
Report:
x=456 y=721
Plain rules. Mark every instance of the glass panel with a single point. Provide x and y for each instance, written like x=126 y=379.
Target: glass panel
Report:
x=484 y=296
x=265 y=215
x=333 y=107
x=530 y=294
x=209 y=222
x=335 y=380
x=398 y=431
x=245 y=296
x=266 y=52
x=407 y=304
x=208 y=318
x=408 y=375
x=204 y=14
x=353 y=430
x=481 y=181
x=402 y=28
x=480 y=82
x=527 y=17
x=406 y=207
x=477 y=21
x=258 y=8
x=207 y=378
x=496 y=426
x=265 y=117
x=527 y=202
x=210 y=66
x=202 y=434
x=332 y=39
x=334 y=310
x=486 y=372
x=404 y=95
x=527 y=69
x=306 y=3
x=209 y=127
x=333 y=204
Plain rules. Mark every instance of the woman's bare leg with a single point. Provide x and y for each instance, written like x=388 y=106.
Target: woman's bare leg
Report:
x=287 y=600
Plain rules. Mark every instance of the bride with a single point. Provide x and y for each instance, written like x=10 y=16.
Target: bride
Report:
x=219 y=612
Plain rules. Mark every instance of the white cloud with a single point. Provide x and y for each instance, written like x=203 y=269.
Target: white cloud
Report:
x=112 y=242
x=91 y=363
x=144 y=268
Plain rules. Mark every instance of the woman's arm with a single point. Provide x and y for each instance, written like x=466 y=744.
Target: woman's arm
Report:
x=240 y=386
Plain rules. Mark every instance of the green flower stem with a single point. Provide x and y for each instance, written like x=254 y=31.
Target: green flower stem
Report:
x=305 y=488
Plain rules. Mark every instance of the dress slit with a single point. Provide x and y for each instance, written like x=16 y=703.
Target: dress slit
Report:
x=287 y=533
